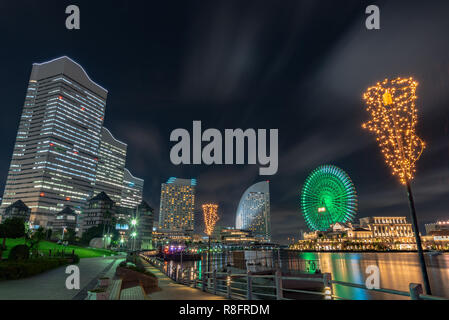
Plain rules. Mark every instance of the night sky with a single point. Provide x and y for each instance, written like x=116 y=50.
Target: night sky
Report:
x=297 y=66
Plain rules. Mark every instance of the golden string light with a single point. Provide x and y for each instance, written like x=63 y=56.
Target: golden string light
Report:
x=210 y=217
x=391 y=104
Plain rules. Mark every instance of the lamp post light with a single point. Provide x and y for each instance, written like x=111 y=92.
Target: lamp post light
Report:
x=391 y=104
x=134 y=234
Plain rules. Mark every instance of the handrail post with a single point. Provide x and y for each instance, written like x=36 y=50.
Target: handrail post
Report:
x=203 y=279
x=194 y=278
x=249 y=286
x=215 y=281
x=278 y=280
x=327 y=282
x=415 y=290
x=228 y=283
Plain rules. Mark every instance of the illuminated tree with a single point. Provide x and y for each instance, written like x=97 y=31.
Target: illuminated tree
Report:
x=328 y=196
x=391 y=104
x=210 y=217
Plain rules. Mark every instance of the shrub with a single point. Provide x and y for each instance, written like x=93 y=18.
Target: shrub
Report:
x=11 y=270
x=141 y=270
x=19 y=252
x=75 y=258
x=122 y=264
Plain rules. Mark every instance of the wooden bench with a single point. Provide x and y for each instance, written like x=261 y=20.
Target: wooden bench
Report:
x=114 y=289
x=133 y=293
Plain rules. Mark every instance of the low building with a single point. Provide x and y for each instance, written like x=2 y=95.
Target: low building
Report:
x=99 y=210
x=162 y=237
x=18 y=209
x=436 y=226
x=436 y=240
x=231 y=236
x=373 y=233
x=145 y=218
x=360 y=233
x=65 y=219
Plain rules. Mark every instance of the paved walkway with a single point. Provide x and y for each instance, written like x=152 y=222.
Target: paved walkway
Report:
x=175 y=291
x=50 y=285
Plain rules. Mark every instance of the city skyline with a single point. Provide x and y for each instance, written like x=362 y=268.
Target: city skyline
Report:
x=63 y=156
x=252 y=75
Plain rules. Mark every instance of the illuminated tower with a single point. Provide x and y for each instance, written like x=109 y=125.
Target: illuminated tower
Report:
x=177 y=204
x=56 y=151
x=253 y=212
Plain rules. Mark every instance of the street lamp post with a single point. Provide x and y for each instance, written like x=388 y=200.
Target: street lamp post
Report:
x=134 y=233
x=391 y=104
x=422 y=262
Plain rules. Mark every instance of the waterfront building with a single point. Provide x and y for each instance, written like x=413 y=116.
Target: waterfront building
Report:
x=235 y=237
x=56 y=150
x=17 y=210
x=437 y=226
x=177 y=205
x=216 y=233
x=111 y=166
x=253 y=212
x=132 y=191
x=162 y=237
x=373 y=233
x=65 y=219
x=388 y=227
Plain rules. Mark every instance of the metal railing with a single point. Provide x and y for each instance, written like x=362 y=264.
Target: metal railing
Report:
x=247 y=286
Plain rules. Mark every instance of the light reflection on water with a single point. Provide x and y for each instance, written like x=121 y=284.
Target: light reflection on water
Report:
x=397 y=270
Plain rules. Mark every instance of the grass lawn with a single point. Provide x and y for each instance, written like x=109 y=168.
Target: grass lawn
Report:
x=45 y=246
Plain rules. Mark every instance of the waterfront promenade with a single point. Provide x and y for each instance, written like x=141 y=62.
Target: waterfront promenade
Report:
x=50 y=285
x=170 y=290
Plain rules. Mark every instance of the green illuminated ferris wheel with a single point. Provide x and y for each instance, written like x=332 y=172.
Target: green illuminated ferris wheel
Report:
x=328 y=196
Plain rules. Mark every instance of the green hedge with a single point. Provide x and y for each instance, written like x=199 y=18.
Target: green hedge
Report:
x=10 y=270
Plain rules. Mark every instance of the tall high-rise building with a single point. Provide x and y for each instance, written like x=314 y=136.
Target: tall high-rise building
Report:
x=111 y=167
x=132 y=190
x=56 y=151
x=177 y=204
x=253 y=212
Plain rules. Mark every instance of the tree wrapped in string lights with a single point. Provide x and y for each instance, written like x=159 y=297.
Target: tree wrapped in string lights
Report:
x=210 y=220
x=210 y=217
x=394 y=117
x=391 y=104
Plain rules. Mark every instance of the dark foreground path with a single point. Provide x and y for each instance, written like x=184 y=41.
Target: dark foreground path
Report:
x=171 y=290
x=50 y=285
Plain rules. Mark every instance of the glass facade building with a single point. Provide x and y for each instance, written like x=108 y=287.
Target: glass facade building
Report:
x=132 y=190
x=177 y=205
x=63 y=155
x=111 y=167
x=253 y=212
x=56 y=151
